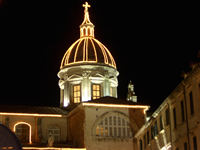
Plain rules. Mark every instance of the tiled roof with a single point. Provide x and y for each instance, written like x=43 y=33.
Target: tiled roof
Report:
x=32 y=109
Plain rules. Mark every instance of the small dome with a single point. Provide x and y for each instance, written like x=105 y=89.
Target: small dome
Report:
x=89 y=50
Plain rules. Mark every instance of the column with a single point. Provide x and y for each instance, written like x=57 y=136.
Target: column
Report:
x=106 y=86
x=85 y=87
x=66 y=101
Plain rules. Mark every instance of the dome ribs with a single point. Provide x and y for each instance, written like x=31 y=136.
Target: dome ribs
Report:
x=92 y=53
x=79 y=52
x=89 y=50
x=84 y=51
x=100 y=57
x=111 y=59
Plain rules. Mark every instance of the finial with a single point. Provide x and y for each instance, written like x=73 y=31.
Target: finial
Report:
x=86 y=28
x=86 y=5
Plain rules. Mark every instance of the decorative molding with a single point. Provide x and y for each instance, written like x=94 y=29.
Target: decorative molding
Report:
x=111 y=139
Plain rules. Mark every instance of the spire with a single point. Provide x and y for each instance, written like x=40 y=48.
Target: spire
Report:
x=87 y=27
x=131 y=94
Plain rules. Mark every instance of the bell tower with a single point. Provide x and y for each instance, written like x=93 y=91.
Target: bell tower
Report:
x=131 y=94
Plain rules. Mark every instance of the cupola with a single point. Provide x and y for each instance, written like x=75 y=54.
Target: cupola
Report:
x=88 y=69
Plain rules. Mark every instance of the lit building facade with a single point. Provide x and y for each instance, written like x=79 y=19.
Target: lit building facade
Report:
x=91 y=116
x=175 y=124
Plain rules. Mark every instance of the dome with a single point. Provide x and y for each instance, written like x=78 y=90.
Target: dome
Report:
x=87 y=49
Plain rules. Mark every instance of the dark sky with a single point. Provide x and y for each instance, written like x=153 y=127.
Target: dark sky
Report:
x=151 y=43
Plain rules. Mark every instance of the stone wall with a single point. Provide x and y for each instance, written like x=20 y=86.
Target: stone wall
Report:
x=76 y=128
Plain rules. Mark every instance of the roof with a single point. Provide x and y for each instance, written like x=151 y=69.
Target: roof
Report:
x=113 y=100
x=87 y=50
x=32 y=110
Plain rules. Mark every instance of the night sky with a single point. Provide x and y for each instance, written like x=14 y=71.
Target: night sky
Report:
x=150 y=42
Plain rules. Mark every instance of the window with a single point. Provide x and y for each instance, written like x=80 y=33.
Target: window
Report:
x=84 y=31
x=77 y=93
x=161 y=123
x=155 y=129
x=55 y=132
x=152 y=132
x=147 y=137
x=191 y=103
x=88 y=29
x=114 y=126
x=22 y=132
x=195 y=143
x=141 y=144
x=182 y=111
x=96 y=91
x=167 y=116
x=185 y=146
x=145 y=141
x=174 y=114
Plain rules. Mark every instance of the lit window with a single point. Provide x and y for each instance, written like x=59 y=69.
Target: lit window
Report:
x=77 y=94
x=97 y=131
x=114 y=126
x=96 y=91
x=22 y=132
x=55 y=132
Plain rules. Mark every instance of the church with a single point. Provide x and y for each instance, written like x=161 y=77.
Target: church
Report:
x=90 y=115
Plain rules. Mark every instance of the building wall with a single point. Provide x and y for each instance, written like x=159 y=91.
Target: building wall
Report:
x=75 y=128
x=93 y=117
x=60 y=123
x=183 y=128
x=159 y=137
x=39 y=126
x=187 y=129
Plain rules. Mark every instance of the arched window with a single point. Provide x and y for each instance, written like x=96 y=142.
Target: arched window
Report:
x=84 y=31
x=23 y=132
x=55 y=132
x=88 y=30
x=114 y=126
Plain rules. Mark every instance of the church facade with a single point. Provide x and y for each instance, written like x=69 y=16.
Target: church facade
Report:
x=91 y=116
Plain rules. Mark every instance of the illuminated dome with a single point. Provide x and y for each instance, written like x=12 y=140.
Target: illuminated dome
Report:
x=88 y=70
x=87 y=49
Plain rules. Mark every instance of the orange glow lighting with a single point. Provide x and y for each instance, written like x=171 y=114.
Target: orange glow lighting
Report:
x=54 y=148
x=118 y=106
x=104 y=50
x=29 y=129
x=26 y=114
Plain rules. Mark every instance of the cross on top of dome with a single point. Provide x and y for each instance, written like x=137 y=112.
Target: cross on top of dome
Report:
x=86 y=5
x=87 y=27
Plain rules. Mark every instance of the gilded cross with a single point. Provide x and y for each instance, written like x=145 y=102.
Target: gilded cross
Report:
x=86 y=5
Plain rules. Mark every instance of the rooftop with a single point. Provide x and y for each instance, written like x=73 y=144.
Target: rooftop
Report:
x=32 y=110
